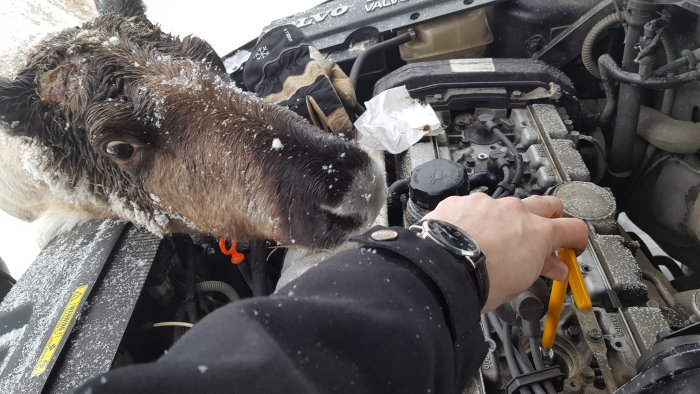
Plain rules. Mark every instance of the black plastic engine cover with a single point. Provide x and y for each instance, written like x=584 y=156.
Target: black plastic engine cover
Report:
x=484 y=82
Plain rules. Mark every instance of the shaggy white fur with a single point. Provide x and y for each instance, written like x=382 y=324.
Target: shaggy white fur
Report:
x=27 y=191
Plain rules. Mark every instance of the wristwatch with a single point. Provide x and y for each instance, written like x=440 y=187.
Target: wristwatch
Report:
x=462 y=246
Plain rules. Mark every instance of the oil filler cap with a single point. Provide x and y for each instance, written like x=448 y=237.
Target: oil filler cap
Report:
x=436 y=180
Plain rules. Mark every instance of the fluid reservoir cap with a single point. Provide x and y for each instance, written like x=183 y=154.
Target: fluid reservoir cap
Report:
x=586 y=200
x=436 y=180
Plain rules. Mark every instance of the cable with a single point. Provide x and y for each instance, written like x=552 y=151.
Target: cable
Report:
x=518 y=159
x=535 y=351
x=525 y=365
x=219 y=287
x=173 y=324
x=507 y=348
x=537 y=359
x=500 y=191
x=190 y=304
x=394 y=42
x=671 y=54
x=686 y=60
x=616 y=18
x=607 y=22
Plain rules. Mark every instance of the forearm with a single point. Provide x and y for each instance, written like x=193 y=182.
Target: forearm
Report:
x=367 y=320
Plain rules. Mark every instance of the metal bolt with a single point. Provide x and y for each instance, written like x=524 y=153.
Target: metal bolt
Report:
x=482 y=156
x=491 y=345
x=517 y=93
x=633 y=246
x=461 y=124
x=572 y=332
x=470 y=161
x=569 y=124
x=547 y=354
x=485 y=118
x=595 y=335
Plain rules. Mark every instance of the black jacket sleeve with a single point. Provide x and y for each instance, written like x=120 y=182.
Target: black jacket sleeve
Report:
x=397 y=316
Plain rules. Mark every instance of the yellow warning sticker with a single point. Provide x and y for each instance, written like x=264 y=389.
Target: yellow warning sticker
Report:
x=59 y=331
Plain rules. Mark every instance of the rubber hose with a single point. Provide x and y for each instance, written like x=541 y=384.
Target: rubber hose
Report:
x=219 y=287
x=609 y=66
x=587 y=48
x=393 y=202
x=609 y=21
x=484 y=178
x=611 y=71
x=359 y=62
x=185 y=251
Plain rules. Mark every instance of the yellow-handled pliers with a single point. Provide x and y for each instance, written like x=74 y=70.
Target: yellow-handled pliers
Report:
x=556 y=299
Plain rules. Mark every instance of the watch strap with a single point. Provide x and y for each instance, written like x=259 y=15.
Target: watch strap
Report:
x=475 y=269
x=481 y=279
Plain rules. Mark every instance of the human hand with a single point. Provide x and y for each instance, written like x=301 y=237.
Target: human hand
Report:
x=518 y=237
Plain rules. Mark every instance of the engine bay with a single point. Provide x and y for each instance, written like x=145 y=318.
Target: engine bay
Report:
x=595 y=102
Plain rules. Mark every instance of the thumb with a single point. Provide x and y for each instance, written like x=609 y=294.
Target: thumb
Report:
x=555 y=269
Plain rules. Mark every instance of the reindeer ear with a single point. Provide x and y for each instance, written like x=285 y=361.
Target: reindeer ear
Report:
x=56 y=85
x=125 y=8
x=17 y=98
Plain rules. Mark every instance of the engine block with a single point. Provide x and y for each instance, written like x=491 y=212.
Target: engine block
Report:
x=595 y=350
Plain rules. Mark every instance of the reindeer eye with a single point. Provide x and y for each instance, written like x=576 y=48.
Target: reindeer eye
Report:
x=119 y=150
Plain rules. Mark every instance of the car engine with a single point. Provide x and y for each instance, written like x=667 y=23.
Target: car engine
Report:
x=595 y=102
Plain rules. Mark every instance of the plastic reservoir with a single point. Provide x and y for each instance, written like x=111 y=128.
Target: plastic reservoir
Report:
x=461 y=35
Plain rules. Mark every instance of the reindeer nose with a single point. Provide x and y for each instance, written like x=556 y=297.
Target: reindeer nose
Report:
x=327 y=217
x=365 y=194
x=358 y=206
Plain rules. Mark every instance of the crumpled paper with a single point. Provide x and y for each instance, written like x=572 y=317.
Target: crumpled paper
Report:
x=394 y=121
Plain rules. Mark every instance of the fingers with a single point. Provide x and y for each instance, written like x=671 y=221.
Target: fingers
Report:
x=554 y=268
x=569 y=233
x=545 y=206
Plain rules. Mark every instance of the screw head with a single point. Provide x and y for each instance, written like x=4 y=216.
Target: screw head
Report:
x=595 y=335
x=483 y=118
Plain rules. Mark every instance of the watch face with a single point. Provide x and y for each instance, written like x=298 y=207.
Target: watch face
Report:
x=453 y=237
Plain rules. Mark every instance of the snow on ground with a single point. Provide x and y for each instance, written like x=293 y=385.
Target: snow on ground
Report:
x=226 y=25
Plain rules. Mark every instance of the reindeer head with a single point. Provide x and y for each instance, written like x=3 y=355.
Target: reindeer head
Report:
x=154 y=127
